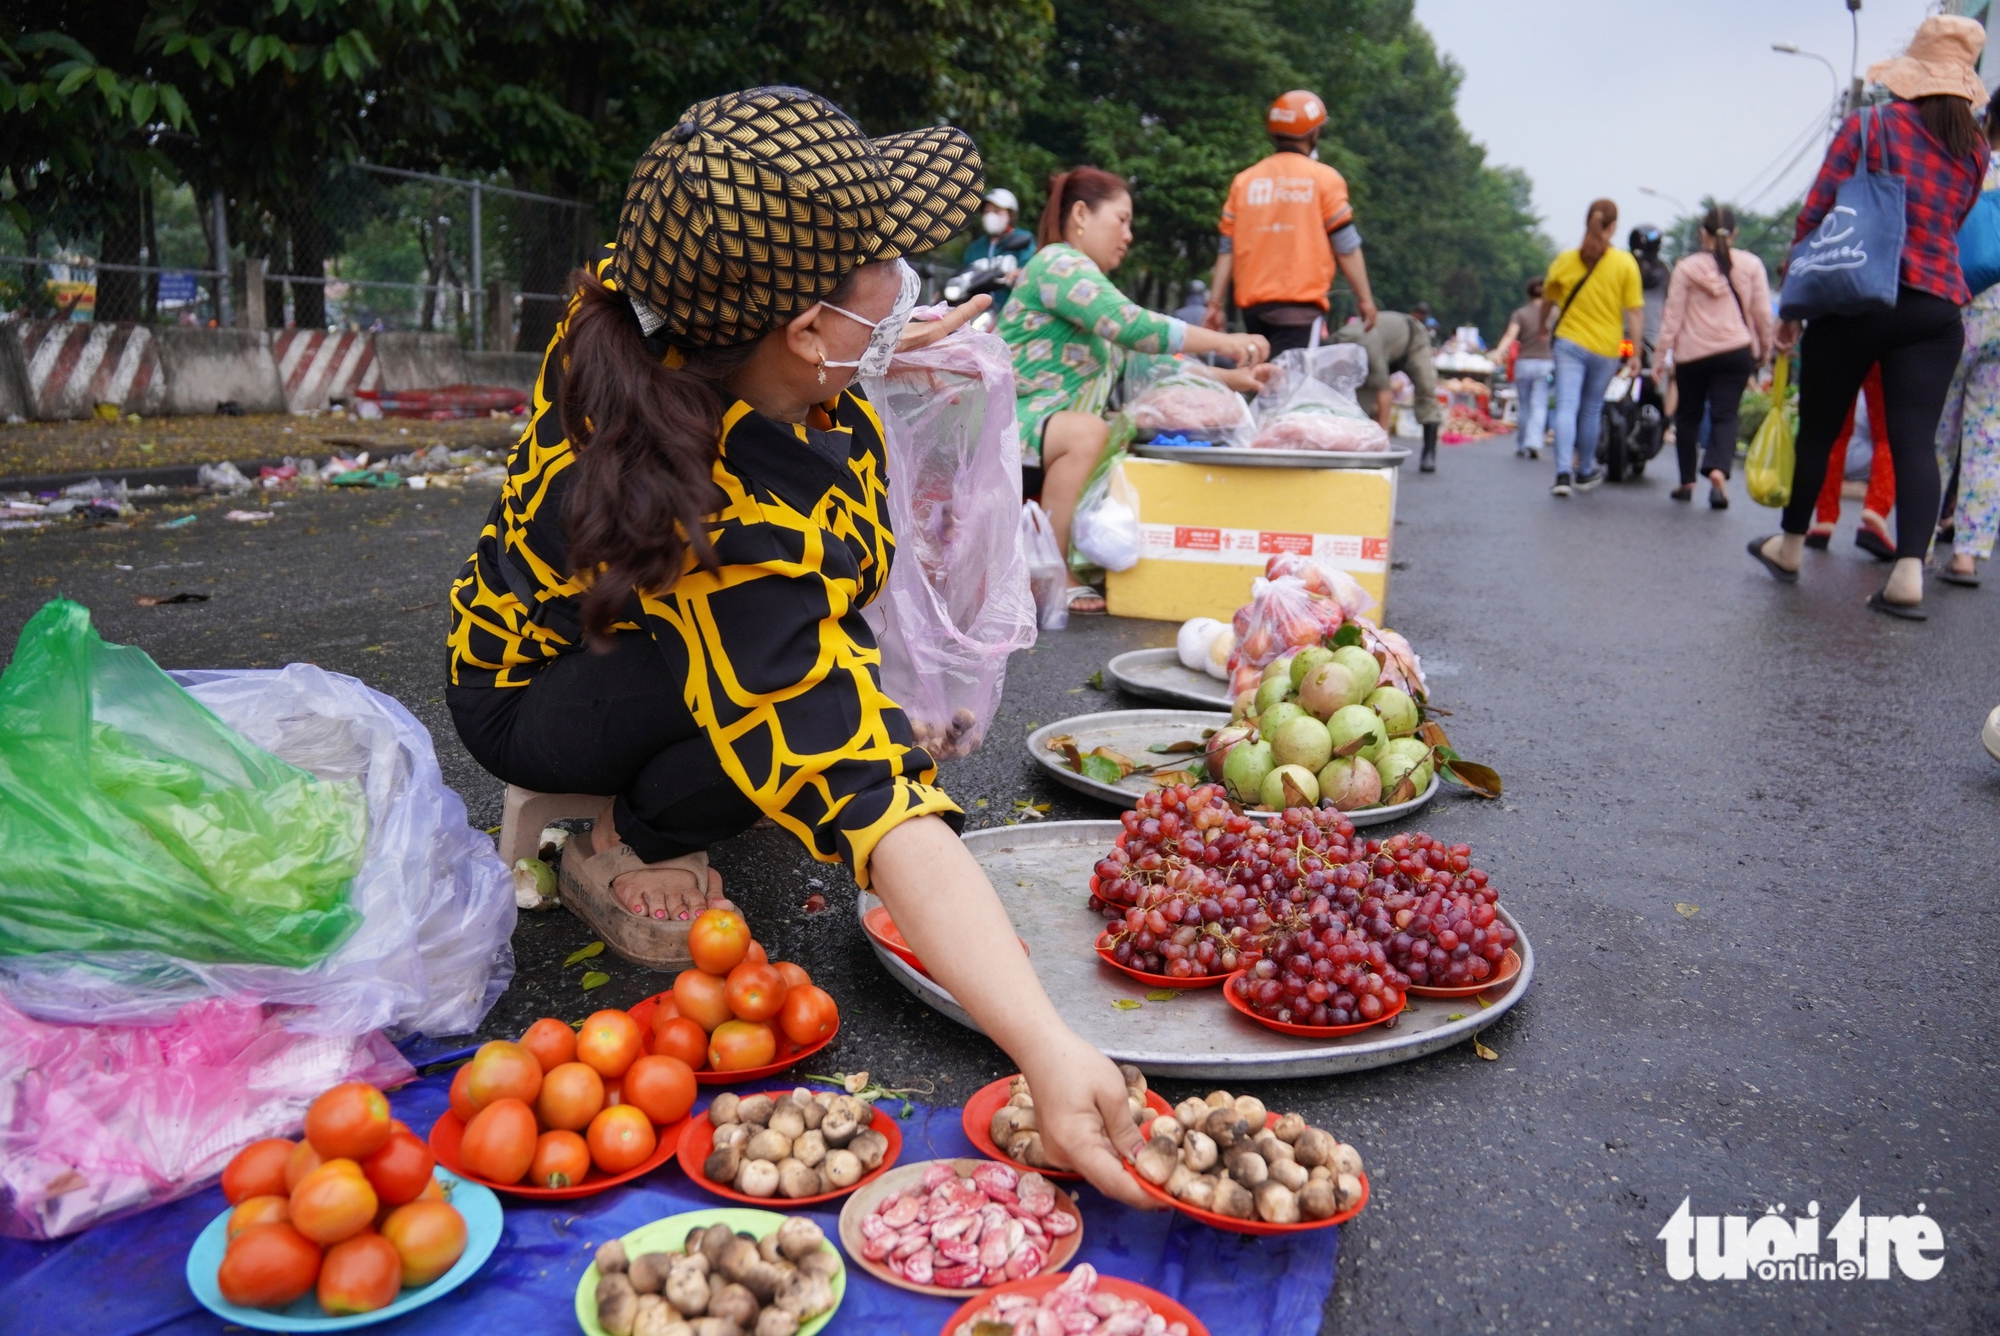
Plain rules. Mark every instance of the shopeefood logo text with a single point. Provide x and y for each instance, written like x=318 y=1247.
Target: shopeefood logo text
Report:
x=1772 y=1247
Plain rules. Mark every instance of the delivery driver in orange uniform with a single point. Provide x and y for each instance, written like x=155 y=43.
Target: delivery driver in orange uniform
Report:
x=1286 y=228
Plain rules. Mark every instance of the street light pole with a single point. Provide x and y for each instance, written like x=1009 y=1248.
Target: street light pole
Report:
x=1792 y=49
x=1661 y=194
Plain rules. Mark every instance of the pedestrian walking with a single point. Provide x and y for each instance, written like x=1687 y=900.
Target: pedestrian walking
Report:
x=1715 y=332
x=1287 y=228
x=1872 y=534
x=1969 y=429
x=1399 y=342
x=1599 y=304
x=1528 y=332
x=1928 y=138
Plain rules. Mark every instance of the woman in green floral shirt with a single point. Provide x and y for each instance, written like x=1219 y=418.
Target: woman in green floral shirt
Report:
x=1071 y=331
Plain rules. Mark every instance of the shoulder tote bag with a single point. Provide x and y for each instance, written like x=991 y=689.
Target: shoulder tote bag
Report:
x=1979 y=244
x=1852 y=262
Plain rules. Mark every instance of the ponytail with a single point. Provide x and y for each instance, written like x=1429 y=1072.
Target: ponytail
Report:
x=1720 y=223
x=645 y=437
x=1092 y=187
x=1597 y=225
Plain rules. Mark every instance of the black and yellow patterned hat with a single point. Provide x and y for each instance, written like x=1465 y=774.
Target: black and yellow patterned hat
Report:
x=758 y=203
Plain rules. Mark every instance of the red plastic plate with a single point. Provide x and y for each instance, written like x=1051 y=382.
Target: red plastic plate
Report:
x=699 y=1139
x=1152 y=980
x=789 y=1054
x=879 y=926
x=448 y=1131
x=1260 y=1227
x=978 y=1120
x=1309 y=1031
x=1510 y=965
x=1042 y=1284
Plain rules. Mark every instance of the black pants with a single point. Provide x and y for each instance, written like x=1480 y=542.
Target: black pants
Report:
x=1918 y=344
x=1280 y=337
x=615 y=724
x=1715 y=385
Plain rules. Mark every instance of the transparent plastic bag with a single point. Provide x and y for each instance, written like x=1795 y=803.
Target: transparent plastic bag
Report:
x=1281 y=616
x=99 y=1121
x=1105 y=531
x=1327 y=581
x=1173 y=396
x=1048 y=574
x=432 y=948
x=958 y=601
x=1309 y=402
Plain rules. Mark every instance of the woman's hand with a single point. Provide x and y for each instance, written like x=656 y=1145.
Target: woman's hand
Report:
x=923 y=333
x=1245 y=380
x=1788 y=336
x=1214 y=317
x=1086 y=1124
x=1247 y=349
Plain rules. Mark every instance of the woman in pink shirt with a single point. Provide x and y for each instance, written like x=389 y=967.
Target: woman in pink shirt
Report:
x=1716 y=332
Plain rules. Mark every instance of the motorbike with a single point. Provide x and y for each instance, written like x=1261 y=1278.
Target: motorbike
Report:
x=992 y=274
x=1635 y=426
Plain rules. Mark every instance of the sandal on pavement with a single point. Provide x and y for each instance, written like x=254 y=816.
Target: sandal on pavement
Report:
x=1076 y=594
x=1717 y=498
x=1874 y=544
x=655 y=943
x=1777 y=572
x=1818 y=539
x=1909 y=612
x=1952 y=577
x=1684 y=492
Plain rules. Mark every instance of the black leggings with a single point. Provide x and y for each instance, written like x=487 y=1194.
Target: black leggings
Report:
x=1714 y=384
x=1282 y=338
x=1918 y=344
x=615 y=724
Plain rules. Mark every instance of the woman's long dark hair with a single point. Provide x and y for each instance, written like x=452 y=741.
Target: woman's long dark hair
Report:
x=1720 y=223
x=1597 y=225
x=1949 y=117
x=645 y=439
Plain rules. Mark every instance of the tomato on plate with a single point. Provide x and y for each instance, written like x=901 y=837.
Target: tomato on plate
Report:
x=795 y=976
x=499 y=1142
x=551 y=1041
x=755 y=992
x=502 y=1069
x=609 y=1041
x=756 y=954
x=333 y=1202
x=681 y=1038
x=401 y=1170
x=621 y=1138
x=561 y=1160
x=429 y=1237
x=718 y=939
x=737 y=1045
x=348 y=1122
x=660 y=1087
x=461 y=1100
x=258 y=1211
x=268 y=1266
x=258 y=1170
x=360 y=1275
x=808 y=1016
x=302 y=1161
x=702 y=998
x=571 y=1096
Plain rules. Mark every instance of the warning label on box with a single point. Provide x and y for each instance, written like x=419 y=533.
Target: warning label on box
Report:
x=1250 y=547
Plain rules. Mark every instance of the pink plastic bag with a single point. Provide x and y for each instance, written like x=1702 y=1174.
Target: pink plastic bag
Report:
x=1326 y=581
x=98 y=1121
x=1281 y=616
x=958 y=600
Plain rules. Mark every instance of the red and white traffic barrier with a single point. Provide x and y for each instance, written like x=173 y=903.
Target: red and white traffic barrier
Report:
x=70 y=368
x=317 y=367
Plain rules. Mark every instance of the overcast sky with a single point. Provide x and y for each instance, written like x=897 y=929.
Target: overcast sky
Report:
x=1601 y=97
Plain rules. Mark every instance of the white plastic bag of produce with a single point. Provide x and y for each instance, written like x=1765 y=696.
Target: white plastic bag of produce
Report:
x=1309 y=403
x=1180 y=397
x=1048 y=573
x=434 y=950
x=1106 y=527
x=958 y=601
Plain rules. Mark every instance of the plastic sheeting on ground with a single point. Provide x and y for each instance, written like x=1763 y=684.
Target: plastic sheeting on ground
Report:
x=128 y=1277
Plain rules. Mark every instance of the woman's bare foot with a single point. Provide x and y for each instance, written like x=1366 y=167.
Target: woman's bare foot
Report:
x=1784 y=550
x=1962 y=563
x=677 y=889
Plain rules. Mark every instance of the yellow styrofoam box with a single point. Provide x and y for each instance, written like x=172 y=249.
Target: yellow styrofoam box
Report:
x=1207 y=530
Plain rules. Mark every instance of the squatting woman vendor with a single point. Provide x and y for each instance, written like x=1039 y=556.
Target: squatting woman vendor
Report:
x=665 y=604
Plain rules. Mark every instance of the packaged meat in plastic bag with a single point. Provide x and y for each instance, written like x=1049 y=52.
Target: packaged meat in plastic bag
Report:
x=1326 y=581
x=1180 y=397
x=958 y=600
x=99 y=1121
x=1309 y=403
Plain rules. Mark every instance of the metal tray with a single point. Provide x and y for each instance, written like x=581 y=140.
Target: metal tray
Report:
x=1158 y=674
x=1132 y=731
x=1042 y=871
x=1272 y=459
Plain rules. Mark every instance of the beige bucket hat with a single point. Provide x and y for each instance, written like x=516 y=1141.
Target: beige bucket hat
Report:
x=1941 y=58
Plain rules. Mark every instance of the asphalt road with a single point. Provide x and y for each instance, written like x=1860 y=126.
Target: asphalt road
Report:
x=1801 y=775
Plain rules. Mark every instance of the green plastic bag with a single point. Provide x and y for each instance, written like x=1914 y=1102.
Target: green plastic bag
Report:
x=1767 y=469
x=132 y=819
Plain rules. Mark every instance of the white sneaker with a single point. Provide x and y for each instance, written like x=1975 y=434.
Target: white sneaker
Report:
x=1990 y=735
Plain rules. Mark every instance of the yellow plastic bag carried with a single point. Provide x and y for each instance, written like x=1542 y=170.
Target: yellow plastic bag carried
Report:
x=1767 y=470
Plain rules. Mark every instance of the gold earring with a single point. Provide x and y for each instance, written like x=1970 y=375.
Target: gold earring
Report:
x=822 y=371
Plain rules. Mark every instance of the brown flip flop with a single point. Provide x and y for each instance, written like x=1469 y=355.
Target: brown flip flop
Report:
x=656 y=943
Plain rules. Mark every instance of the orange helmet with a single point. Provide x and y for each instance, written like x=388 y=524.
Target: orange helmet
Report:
x=1296 y=114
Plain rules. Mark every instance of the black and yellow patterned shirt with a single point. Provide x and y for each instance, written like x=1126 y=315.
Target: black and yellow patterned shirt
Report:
x=780 y=670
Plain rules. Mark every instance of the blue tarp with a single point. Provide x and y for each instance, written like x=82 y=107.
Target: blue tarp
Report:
x=127 y=1278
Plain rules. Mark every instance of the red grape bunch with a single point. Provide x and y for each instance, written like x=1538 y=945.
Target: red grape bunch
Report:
x=1435 y=912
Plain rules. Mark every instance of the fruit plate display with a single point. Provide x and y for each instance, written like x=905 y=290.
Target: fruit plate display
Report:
x=1243 y=457
x=476 y=1204
x=699 y=1139
x=448 y=1131
x=1104 y=953
x=863 y=1202
x=670 y=1235
x=1131 y=732
x=978 y=1121
x=1042 y=875
x=1262 y=1228
x=1036 y=1286
x=1510 y=965
x=789 y=1054
x=1158 y=674
x=882 y=931
x=1242 y=1008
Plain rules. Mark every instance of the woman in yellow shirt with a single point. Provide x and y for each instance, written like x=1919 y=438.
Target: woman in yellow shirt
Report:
x=1595 y=298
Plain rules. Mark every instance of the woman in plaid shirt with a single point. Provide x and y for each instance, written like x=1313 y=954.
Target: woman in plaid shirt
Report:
x=1928 y=137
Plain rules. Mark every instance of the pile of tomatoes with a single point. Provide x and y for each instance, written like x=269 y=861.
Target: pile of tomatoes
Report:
x=547 y=1108
x=353 y=1210
x=727 y=1012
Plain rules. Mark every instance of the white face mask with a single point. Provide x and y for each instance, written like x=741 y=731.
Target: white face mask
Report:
x=994 y=223
x=888 y=333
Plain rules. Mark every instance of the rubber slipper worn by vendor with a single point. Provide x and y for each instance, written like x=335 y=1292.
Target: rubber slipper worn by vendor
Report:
x=666 y=603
